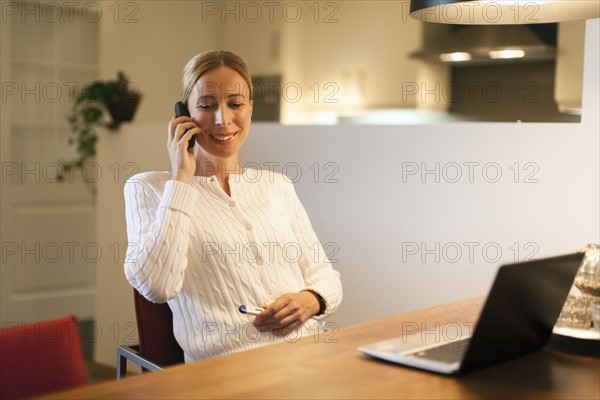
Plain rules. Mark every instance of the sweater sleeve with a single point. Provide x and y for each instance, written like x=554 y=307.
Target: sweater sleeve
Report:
x=158 y=227
x=319 y=275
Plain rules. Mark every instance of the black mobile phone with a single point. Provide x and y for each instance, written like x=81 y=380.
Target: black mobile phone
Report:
x=180 y=111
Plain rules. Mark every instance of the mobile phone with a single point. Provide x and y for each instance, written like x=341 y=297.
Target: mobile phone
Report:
x=180 y=111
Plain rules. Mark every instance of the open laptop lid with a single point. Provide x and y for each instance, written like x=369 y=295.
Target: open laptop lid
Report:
x=521 y=309
x=517 y=318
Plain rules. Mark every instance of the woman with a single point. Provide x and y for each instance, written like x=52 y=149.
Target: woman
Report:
x=210 y=235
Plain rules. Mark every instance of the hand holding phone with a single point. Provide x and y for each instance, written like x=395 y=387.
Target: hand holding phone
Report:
x=181 y=110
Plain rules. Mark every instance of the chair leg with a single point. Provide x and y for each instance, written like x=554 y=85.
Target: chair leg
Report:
x=121 y=365
x=132 y=353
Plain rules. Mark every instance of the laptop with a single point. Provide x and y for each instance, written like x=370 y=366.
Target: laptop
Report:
x=517 y=318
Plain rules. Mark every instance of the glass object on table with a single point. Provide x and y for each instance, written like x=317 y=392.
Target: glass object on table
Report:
x=581 y=308
x=588 y=278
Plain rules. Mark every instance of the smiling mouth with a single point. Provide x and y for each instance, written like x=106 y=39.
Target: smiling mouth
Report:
x=223 y=139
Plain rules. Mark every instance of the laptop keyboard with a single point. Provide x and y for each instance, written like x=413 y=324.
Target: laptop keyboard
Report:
x=448 y=353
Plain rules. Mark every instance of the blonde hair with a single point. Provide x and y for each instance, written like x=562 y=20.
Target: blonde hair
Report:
x=210 y=60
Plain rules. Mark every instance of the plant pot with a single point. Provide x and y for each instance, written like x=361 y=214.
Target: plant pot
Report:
x=123 y=109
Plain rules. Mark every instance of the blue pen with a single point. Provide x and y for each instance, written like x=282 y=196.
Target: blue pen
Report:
x=250 y=310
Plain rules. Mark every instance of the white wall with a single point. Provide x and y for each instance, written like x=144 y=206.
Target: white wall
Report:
x=371 y=214
x=151 y=43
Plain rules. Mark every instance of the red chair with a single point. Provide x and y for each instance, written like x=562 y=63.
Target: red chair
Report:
x=157 y=346
x=40 y=357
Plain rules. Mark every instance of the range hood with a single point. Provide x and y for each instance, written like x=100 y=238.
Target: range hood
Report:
x=485 y=44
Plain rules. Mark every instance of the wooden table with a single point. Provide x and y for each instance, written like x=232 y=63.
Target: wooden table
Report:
x=329 y=367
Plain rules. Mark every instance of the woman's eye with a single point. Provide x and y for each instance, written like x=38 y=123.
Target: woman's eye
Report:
x=205 y=106
x=235 y=105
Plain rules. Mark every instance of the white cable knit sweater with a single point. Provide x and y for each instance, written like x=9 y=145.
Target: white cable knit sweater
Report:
x=206 y=253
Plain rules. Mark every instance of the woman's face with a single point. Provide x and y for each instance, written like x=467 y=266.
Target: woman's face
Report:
x=220 y=106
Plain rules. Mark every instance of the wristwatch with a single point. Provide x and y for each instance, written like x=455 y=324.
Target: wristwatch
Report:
x=321 y=300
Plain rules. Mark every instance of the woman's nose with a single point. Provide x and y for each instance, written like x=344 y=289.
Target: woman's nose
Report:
x=222 y=116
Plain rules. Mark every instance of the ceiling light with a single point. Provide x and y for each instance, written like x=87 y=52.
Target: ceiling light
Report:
x=509 y=53
x=455 y=57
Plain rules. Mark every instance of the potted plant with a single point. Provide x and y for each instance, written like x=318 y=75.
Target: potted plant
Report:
x=118 y=98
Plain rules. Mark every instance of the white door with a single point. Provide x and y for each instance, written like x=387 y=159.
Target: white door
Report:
x=47 y=228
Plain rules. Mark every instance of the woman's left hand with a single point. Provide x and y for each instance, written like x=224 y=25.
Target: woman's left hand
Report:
x=288 y=312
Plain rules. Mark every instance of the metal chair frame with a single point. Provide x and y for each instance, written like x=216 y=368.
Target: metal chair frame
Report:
x=133 y=354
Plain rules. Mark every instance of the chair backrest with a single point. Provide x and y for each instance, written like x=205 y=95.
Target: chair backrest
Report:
x=40 y=357
x=155 y=331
